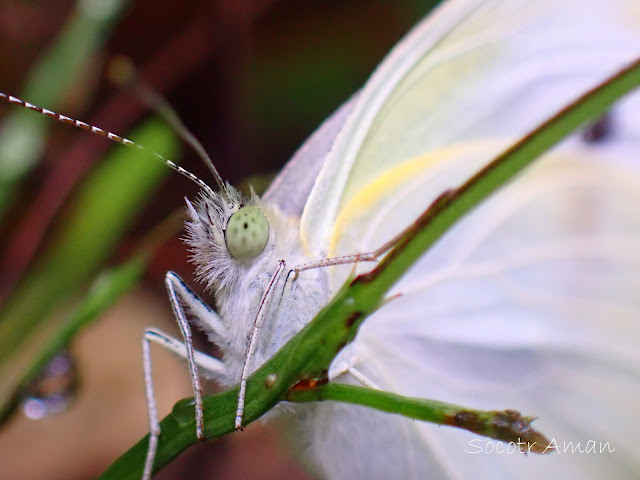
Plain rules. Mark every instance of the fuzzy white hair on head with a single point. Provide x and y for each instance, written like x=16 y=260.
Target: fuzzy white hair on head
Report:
x=209 y=215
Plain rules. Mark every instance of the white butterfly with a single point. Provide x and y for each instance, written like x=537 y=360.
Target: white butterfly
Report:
x=531 y=302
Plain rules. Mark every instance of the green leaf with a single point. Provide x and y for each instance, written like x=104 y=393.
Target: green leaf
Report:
x=22 y=134
x=106 y=289
x=104 y=208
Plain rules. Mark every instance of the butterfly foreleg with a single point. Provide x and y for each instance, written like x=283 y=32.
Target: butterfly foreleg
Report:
x=373 y=256
x=173 y=284
x=265 y=302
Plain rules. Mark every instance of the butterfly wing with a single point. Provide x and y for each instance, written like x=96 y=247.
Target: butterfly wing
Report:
x=474 y=70
x=530 y=302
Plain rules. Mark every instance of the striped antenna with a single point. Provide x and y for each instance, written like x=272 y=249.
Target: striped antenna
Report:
x=166 y=111
x=122 y=72
x=111 y=136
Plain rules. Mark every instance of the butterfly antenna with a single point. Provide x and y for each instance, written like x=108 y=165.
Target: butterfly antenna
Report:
x=122 y=72
x=104 y=133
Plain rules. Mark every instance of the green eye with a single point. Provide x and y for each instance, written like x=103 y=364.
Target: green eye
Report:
x=247 y=233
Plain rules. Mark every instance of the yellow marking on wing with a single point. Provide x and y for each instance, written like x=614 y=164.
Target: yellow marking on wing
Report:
x=389 y=181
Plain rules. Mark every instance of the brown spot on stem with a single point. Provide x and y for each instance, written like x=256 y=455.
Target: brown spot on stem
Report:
x=355 y=316
x=309 y=384
x=467 y=420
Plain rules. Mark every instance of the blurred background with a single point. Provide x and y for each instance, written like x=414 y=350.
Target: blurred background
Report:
x=251 y=80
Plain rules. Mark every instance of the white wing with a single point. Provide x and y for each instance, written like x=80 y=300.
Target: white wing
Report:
x=474 y=70
x=531 y=302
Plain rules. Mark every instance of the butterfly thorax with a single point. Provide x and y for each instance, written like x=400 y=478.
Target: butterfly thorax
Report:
x=239 y=285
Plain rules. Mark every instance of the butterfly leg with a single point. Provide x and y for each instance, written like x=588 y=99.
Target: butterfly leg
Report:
x=179 y=294
x=214 y=367
x=362 y=378
x=253 y=340
x=347 y=365
x=347 y=259
x=210 y=364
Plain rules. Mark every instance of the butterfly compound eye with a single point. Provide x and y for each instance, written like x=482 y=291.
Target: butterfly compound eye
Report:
x=247 y=233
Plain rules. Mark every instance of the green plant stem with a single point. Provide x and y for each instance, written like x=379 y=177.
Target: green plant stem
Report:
x=102 y=211
x=107 y=288
x=505 y=425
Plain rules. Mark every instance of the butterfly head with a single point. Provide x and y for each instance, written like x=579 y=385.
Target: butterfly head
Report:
x=227 y=231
